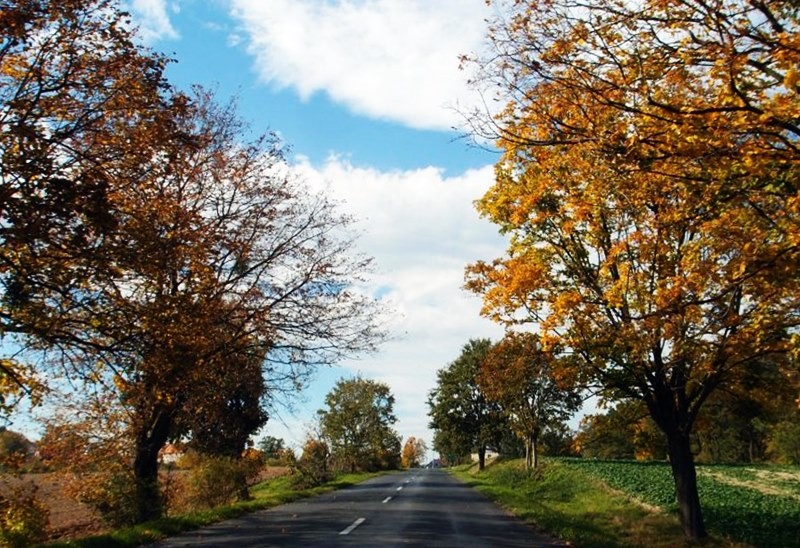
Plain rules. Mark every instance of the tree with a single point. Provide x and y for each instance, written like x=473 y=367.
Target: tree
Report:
x=16 y=450
x=80 y=105
x=413 y=452
x=649 y=186
x=233 y=283
x=159 y=259
x=624 y=431
x=357 y=425
x=272 y=447
x=221 y=422
x=784 y=441
x=313 y=464
x=521 y=377
x=460 y=413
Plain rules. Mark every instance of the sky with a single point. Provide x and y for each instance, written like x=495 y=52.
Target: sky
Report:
x=366 y=94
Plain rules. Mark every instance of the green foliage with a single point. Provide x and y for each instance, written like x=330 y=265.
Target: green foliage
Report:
x=624 y=432
x=23 y=519
x=16 y=451
x=461 y=416
x=651 y=482
x=784 y=442
x=357 y=425
x=111 y=494
x=272 y=447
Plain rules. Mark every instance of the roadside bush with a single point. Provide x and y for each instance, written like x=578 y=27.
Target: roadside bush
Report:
x=110 y=493
x=312 y=467
x=221 y=480
x=23 y=519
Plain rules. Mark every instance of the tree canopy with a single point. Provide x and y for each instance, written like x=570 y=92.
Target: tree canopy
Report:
x=648 y=186
x=522 y=378
x=414 y=450
x=462 y=417
x=357 y=425
x=171 y=267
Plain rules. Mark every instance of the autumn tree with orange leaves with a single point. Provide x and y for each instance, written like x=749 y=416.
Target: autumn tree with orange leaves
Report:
x=414 y=450
x=169 y=267
x=649 y=188
x=74 y=126
x=522 y=378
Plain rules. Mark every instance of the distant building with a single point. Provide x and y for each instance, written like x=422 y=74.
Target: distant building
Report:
x=170 y=454
x=490 y=455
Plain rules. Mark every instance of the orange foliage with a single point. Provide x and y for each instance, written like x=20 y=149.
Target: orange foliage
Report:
x=649 y=185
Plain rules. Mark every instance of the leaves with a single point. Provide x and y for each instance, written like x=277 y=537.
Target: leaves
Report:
x=525 y=381
x=158 y=257
x=414 y=450
x=648 y=186
x=357 y=425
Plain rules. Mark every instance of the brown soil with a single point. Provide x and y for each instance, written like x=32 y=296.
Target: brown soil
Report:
x=68 y=517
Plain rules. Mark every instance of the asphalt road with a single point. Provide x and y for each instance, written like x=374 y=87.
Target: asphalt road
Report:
x=414 y=508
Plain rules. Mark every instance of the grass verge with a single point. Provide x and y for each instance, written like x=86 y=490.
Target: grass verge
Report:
x=265 y=495
x=570 y=504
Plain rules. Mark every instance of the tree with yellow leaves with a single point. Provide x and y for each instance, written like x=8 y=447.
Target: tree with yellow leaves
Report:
x=649 y=188
x=414 y=450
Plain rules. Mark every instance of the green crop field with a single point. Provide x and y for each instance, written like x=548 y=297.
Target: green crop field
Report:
x=759 y=505
x=605 y=504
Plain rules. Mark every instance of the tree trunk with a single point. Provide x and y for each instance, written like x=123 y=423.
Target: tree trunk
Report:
x=149 y=442
x=529 y=452
x=535 y=450
x=481 y=457
x=685 y=476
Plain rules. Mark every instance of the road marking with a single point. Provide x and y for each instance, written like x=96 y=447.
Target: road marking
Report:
x=400 y=488
x=387 y=499
x=353 y=525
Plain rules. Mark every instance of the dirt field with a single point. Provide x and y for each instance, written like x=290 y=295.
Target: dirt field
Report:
x=68 y=517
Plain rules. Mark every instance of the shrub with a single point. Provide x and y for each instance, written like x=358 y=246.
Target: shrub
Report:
x=23 y=519
x=110 y=493
x=312 y=467
x=221 y=480
x=784 y=442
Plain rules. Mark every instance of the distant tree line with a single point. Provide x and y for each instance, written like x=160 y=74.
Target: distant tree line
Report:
x=506 y=396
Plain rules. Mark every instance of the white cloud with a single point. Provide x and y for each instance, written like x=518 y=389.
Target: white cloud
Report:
x=387 y=59
x=152 y=19
x=422 y=230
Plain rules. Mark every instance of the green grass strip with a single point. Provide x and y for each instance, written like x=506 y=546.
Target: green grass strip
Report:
x=571 y=504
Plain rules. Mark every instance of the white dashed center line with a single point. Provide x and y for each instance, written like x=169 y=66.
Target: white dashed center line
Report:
x=355 y=524
x=400 y=488
x=387 y=499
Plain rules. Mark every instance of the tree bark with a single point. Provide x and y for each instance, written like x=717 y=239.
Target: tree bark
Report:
x=481 y=457
x=529 y=452
x=149 y=442
x=685 y=476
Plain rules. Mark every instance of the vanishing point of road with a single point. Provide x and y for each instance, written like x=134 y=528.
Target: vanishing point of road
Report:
x=413 y=508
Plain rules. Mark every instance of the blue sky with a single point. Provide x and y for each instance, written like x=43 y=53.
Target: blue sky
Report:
x=365 y=93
